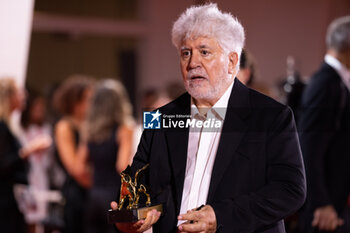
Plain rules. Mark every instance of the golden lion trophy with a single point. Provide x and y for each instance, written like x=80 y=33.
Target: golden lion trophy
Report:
x=130 y=192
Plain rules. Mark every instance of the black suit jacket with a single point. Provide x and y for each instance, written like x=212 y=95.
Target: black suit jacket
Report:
x=325 y=140
x=12 y=171
x=258 y=174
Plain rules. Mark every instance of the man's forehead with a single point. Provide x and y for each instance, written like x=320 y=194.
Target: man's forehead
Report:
x=199 y=42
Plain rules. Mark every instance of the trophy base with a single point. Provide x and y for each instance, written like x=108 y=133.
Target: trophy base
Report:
x=132 y=215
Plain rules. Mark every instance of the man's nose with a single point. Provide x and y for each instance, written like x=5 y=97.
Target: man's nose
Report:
x=194 y=62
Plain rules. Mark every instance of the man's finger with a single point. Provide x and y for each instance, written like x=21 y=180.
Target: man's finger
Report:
x=138 y=224
x=323 y=223
x=191 y=216
x=316 y=220
x=327 y=224
x=192 y=227
x=129 y=227
x=156 y=217
x=340 y=222
x=152 y=217
x=334 y=224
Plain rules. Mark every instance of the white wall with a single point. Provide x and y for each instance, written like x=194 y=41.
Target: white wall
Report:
x=15 y=29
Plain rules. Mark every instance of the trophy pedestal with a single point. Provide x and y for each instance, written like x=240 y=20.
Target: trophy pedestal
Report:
x=132 y=215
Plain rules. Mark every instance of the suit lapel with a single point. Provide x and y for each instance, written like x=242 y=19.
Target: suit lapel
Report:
x=233 y=130
x=177 y=142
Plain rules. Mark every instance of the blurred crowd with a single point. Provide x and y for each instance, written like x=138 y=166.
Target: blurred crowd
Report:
x=59 y=169
x=61 y=157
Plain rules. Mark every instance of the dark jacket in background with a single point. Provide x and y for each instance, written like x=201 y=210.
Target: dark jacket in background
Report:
x=12 y=171
x=325 y=140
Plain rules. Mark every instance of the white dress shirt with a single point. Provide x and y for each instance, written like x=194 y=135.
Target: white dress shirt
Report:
x=343 y=72
x=201 y=153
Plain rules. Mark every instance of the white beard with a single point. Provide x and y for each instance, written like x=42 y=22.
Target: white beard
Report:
x=205 y=90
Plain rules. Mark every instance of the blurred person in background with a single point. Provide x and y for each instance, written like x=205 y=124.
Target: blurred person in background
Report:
x=13 y=157
x=293 y=87
x=110 y=133
x=72 y=99
x=174 y=90
x=152 y=98
x=325 y=134
x=34 y=126
x=246 y=72
x=149 y=98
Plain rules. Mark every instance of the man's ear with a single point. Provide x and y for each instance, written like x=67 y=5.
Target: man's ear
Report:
x=233 y=61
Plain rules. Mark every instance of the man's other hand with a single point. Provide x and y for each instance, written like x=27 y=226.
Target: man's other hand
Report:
x=326 y=218
x=139 y=226
x=203 y=220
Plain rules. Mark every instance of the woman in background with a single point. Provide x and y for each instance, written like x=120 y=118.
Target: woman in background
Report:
x=72 y=99
x=33 y=126
x=109 y=133
x=12 y=157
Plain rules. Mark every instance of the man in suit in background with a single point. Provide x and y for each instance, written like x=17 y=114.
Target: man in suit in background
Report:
x=245 y=173
x=325 y=133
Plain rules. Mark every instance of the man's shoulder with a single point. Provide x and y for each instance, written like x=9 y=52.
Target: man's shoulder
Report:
x=325 y=76
x=247 y=98
x=260 y=100
x=324 y=83
x=264 y=110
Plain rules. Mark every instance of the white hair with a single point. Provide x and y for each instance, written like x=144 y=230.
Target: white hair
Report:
x=208 y=21
x=338 y=34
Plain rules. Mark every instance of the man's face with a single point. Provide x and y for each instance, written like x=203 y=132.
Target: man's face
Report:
x=206 y=69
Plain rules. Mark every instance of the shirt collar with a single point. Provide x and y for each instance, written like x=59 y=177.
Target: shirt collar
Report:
x=343 y=72
x=219 y=108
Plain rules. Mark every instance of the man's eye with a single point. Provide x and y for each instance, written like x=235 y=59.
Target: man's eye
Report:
x=185 y=53
x=205 y=52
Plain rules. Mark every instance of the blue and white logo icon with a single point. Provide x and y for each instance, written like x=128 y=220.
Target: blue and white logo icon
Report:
x=151 y=120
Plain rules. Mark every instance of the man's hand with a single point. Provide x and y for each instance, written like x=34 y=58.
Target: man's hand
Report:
x=203 y=220
x=139 y=226
x=326 y=218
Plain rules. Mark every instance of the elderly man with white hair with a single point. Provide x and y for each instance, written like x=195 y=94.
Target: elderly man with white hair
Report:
x=245 y=173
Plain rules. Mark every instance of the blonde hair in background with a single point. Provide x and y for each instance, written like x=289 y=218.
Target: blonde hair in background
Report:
x=110 y=106
x=7 y=90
